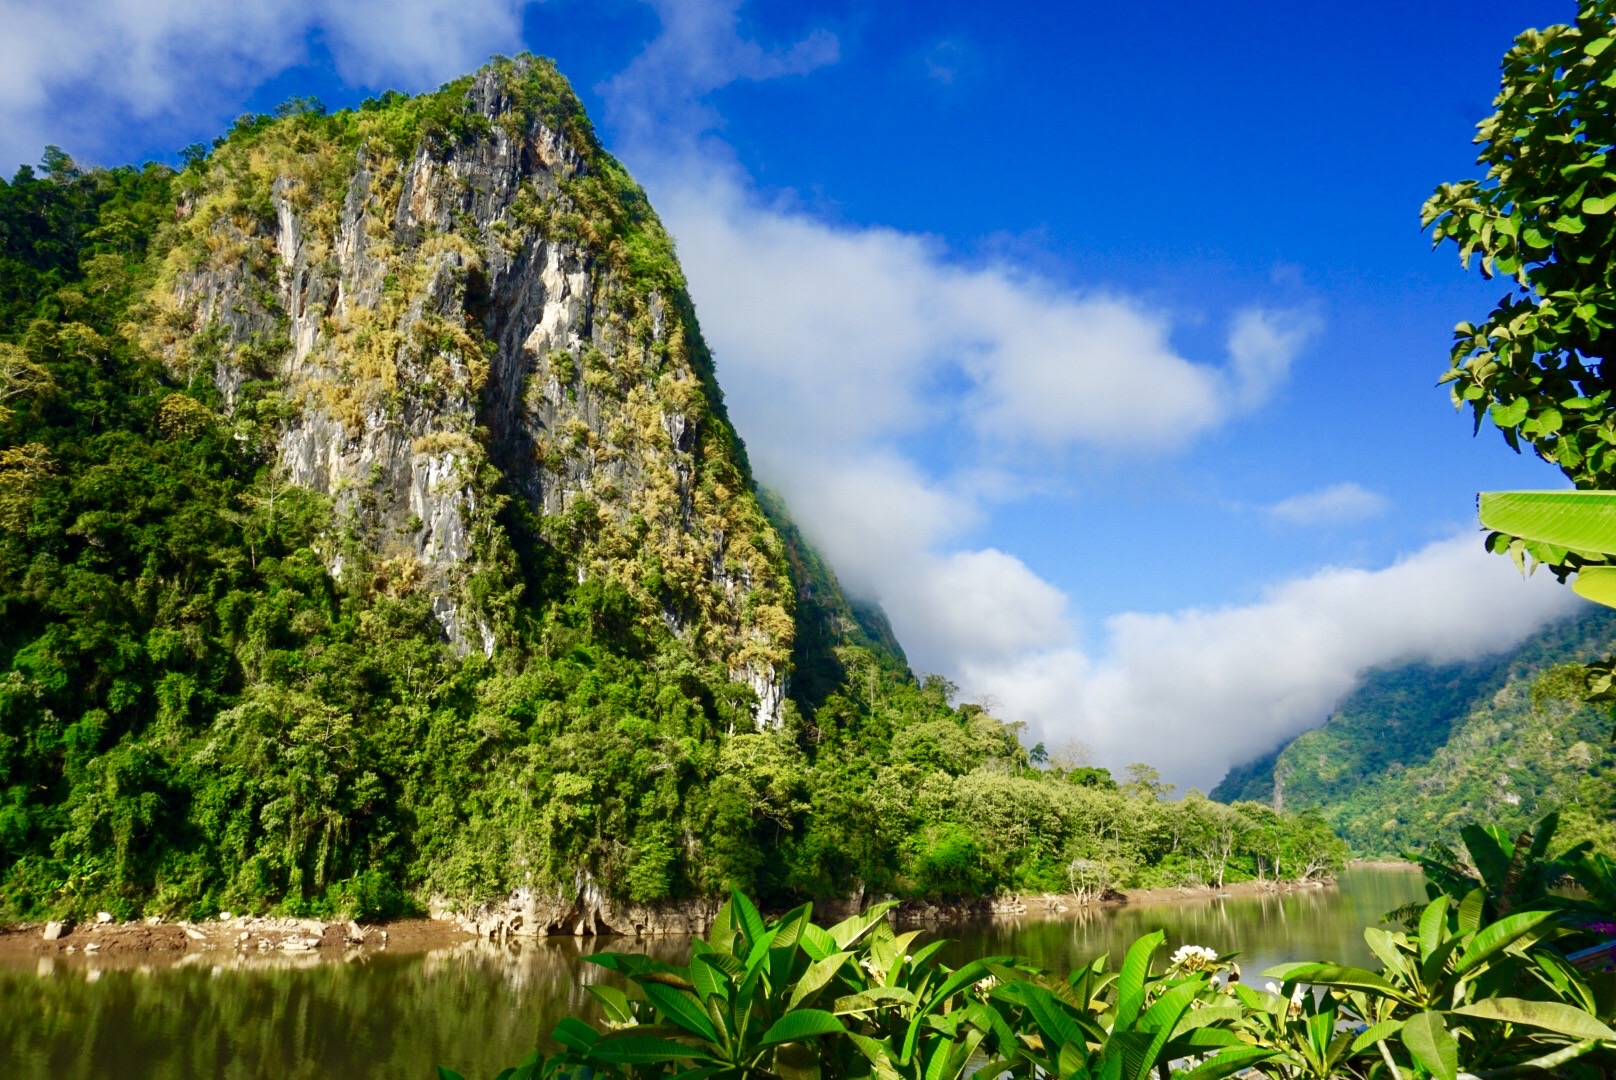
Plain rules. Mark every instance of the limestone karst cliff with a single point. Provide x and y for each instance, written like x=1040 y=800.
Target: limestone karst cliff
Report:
x=373 y=538
x=489 y=307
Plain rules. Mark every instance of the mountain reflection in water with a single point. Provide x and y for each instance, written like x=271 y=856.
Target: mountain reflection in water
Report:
x=478 y=1007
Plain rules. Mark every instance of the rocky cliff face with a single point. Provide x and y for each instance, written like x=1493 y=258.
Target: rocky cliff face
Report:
x=465 y=300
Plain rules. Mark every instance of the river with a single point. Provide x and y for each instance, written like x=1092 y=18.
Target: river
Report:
x=477 y=1008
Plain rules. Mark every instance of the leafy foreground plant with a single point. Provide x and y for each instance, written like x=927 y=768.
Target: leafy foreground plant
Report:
x=788 y=999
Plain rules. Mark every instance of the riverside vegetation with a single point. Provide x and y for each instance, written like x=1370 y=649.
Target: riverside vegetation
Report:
x=372 y=532
x=1475 y=985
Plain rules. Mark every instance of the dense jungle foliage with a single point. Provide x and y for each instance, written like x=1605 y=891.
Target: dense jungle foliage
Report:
x=195 y=714
x=1481 y=983
x=1419 y=751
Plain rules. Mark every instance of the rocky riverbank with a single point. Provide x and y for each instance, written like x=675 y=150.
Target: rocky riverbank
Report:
x=244 y=934
x=522 y=916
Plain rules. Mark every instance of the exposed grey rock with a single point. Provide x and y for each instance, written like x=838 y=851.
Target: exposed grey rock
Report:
x=432 y=323
x=55 y=931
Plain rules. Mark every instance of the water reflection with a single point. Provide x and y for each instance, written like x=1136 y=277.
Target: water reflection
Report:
x=478 y=1007
x=1266 y=928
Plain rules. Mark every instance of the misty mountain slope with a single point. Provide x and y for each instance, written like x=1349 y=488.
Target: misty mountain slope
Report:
x=1419 y=750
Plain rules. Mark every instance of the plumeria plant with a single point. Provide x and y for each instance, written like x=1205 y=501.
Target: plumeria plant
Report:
x=1460 y=995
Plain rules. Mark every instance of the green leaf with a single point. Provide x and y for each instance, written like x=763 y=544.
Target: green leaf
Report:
x=788 y=931
x=817 y=942
x=1580 y=520
x=1571 y=224
x=623 y=963
x=1073 y=1059
x=796 y=1061
x=1596 y=583
x=709 y=976
x=574 y=1034
x=1057 y=1028
x=613 y=1000
x=1131 y=982
x=1498 y=936
x=644 y=1050
x=1507 y=416
x=1426 y=1036
x=448 y=1074
x=746 y=915
x=1469 y=918
x=1602 y=205
x=850 y=930
x=1228 y=1063
x=925 y=952
x=1199 y=1040
x=987 y=1018
x=1384 y=945
x=683 y=1008
x=1208 y=1014
x=1349 y=978
x=526 y=1069
x=1162 y=1017
x=1547 y=1015
x=1378 y=1033
x=814 y=979
x=1433 y=926
x=801 y=1024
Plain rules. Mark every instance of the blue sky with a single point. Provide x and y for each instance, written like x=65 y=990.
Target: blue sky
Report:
x=1100 y=341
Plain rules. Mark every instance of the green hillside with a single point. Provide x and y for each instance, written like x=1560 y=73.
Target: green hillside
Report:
x=1418 y=751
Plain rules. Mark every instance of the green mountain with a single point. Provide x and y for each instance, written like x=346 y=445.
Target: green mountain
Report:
x=1419 y=750
x=373 y=538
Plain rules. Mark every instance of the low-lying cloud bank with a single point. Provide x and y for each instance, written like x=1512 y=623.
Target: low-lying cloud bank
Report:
x=1196 y=691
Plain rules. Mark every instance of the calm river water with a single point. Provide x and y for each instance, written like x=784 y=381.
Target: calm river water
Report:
x=477 y=1008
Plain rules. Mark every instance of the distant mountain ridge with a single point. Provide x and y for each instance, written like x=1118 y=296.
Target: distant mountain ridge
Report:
x=1418 y=750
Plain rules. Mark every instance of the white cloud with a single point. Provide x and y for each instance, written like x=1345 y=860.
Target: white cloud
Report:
x=74 y=72
x=1197 y=691
x=1262 y=344
x=1334 y=505
x=832 y=334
